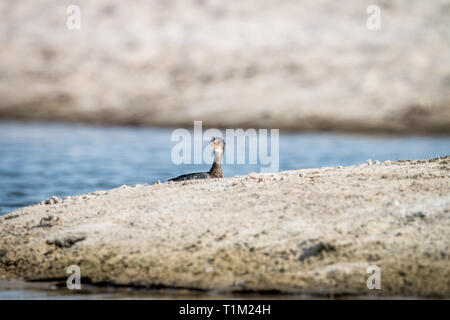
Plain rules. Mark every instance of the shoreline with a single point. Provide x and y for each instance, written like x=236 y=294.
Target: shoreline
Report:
x=313 y=126
x=58 y=290
x=383 y=132
x=309 y=231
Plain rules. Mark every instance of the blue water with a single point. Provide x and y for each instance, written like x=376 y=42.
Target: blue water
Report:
x=39 y=160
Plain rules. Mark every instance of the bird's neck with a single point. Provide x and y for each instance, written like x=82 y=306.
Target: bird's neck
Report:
x=216 y=169
x=218 y=157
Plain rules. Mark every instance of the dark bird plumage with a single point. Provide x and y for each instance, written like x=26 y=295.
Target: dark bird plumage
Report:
x=216 y=169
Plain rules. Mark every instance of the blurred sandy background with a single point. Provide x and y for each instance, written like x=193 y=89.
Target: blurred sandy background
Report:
x=298 y=65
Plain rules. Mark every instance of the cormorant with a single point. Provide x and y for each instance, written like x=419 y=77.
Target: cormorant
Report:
x=216 y=169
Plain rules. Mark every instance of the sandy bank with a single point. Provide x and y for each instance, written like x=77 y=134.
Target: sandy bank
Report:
x=293 y=65
x=304 y=231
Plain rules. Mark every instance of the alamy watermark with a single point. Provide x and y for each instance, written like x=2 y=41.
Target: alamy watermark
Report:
x=374 y=20
x=374 y=280
x=262 y=148
x=74 y=280
x=73 y=21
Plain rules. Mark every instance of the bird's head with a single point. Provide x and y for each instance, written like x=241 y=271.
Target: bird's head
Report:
x=218 y=144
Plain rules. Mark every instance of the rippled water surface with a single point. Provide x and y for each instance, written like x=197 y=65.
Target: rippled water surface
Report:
x=39 y=160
